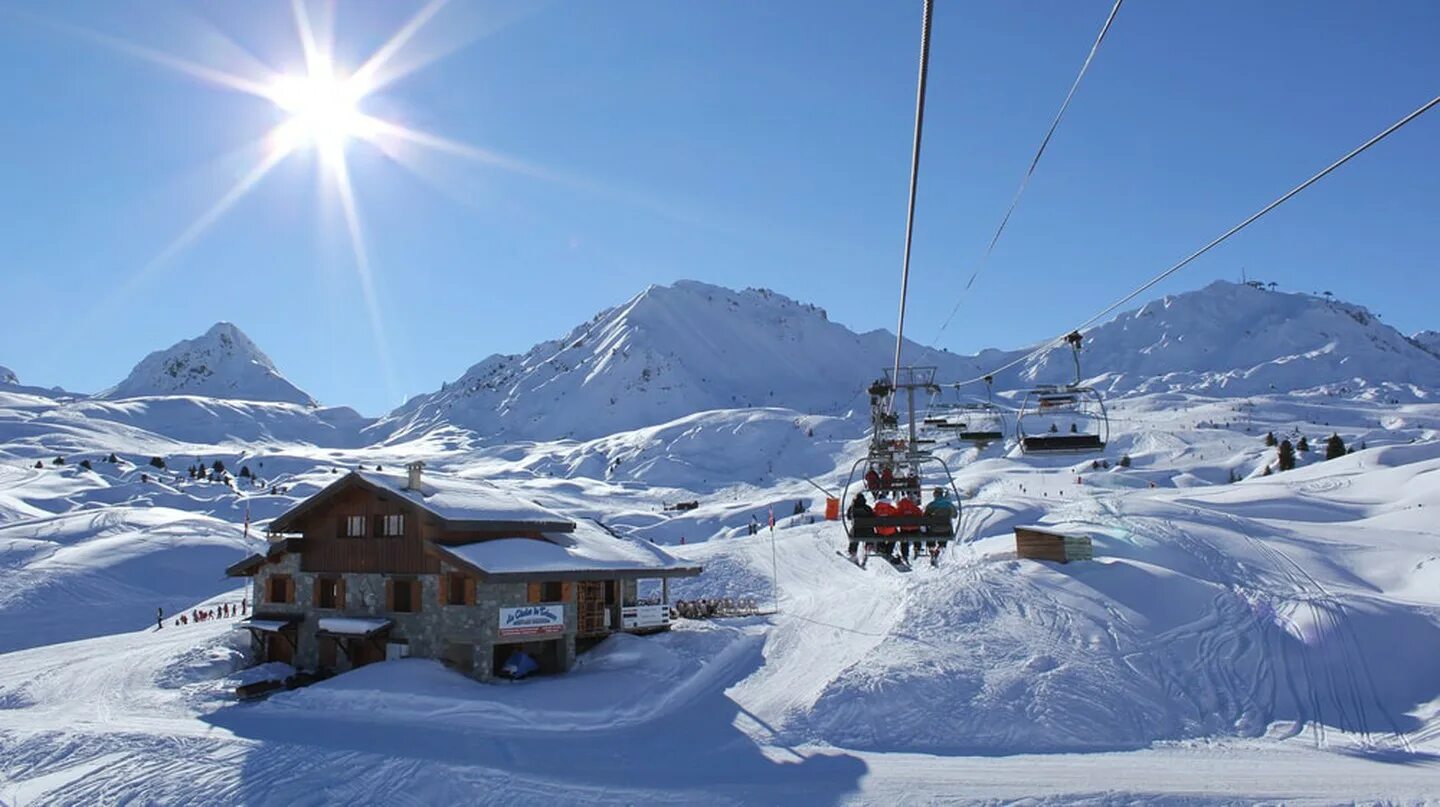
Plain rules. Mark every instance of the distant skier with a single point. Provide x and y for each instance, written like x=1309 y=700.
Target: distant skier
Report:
x=159 y=618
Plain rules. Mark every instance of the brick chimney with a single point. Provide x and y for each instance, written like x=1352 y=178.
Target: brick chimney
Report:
x=414 y=469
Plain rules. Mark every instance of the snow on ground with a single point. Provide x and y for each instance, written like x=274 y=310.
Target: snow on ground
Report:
x=1276 y=638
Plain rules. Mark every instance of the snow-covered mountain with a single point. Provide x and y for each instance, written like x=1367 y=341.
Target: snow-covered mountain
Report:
x=7 y=376
x=670 y=351
x=1430 y=340
x=691 y=347
x=222 y=363
x=1231 y=339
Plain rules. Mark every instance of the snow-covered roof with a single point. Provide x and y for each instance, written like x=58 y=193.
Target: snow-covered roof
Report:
x=353 y=626
x=588 y=551
x=455 y=499
x=459 y=502
x=264 y=625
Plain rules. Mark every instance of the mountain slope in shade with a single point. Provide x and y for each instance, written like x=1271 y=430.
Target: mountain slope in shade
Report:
x=222 y=363
x=1231 y=339
x=670 y=351
x=1430 y=340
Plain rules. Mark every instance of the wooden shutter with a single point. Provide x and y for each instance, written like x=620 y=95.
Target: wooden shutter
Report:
x=469 y=590
x=389 y=595
x=379 y=524
x=315 y=591
x=566 y=591
x=340 y=593
x=444 y=587
x=533 y=593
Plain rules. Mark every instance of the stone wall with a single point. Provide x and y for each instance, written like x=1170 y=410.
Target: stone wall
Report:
x=464 y=635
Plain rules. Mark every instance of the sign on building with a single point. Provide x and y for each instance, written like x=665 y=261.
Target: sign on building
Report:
x=532 y=620
x=644 y=616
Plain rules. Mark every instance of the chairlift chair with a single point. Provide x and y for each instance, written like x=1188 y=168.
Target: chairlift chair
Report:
x=1063 y=409
x=913 y=470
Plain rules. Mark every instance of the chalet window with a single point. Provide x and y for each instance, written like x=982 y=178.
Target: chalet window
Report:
x=404 y=596
x=280 y=590
x=390 y=526
x=354 y=527
x=455 y=590
x=545 y=592
x=328 y=593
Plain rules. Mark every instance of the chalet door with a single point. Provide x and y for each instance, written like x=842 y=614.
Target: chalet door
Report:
x=280 y=647
x=590 y=608
x=328 y=652
x=366 y=651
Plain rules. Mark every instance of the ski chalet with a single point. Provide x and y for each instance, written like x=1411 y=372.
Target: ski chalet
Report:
x=377 y=566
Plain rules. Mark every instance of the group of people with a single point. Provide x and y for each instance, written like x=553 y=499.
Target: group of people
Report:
x=707 y=608
x=906 y=504
x=883 y=480
x=222 y=611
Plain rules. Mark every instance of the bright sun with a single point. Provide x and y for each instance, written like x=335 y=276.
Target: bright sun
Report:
x=324 y=110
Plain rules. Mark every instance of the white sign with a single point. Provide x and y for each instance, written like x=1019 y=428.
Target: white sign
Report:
x=644 y=616
x=532 y=620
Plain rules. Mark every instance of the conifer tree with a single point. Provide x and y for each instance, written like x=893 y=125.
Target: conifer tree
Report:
x=157 y=462
x=1302 y=446
x=1270 y=441
x=1287 y=455
x=1334 y=447
x=86 y=465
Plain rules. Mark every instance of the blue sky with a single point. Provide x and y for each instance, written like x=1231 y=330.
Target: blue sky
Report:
x=741 y=143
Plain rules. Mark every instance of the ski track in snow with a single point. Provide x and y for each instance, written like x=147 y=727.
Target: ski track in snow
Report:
x=1277 y=639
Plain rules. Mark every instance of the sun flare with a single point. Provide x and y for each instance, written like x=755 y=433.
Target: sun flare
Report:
x=324 y=110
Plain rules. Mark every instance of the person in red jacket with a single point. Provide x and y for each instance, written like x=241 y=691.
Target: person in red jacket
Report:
x=872 y=480
x=883 y=508
x=887 y=478
x=907 y=507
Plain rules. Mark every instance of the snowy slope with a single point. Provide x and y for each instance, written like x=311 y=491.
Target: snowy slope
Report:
x=668 y=352
x=1273 y=640
x=7 y=376
x=1233 y=340
x=221 y=363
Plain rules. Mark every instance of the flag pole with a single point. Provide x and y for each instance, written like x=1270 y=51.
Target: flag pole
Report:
x=774 y=566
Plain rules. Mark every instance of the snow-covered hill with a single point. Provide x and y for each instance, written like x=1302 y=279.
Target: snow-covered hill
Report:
x=1231 y=339
x=7 y=376
x=221 y=363
x=670 y=351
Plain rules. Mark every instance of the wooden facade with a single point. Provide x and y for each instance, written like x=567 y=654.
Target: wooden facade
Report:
x=365 y=550
x=1038 y=543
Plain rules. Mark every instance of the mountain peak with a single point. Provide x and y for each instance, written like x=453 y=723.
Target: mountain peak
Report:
x=221 y=363
x=7 y=376
x=667 y=352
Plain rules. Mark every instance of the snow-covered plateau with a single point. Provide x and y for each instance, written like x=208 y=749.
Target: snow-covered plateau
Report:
x=1242 y=634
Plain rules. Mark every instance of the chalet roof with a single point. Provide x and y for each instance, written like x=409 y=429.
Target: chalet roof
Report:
x=460 y=503
x=588 y=552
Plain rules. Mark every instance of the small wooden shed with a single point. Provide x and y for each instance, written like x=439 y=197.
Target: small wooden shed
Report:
x=1046 y=543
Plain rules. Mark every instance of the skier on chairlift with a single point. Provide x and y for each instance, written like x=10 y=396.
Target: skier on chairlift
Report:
x=884 y=508
x=906 y=506
x=859 y=508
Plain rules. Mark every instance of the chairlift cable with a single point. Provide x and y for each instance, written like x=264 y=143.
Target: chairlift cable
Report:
x=1357 y=151
x=914 y=178
x=1035 y=161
